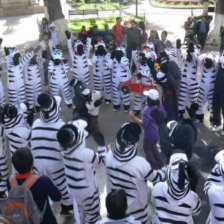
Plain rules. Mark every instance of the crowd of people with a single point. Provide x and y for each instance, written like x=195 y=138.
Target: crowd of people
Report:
x=49 y=158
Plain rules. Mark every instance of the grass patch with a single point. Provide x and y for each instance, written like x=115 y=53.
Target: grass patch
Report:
x=100 y=6
x=76 y=24
x=159 y=3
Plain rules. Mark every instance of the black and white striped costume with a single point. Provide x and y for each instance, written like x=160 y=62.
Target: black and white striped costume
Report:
x=207 y=83
x=144 y=70
x=15 y=126
x=214 y=188
x=2 y=94
x=80 y=163
x=189 y=81
x=3 y=161
x=101 y=71
x=46 y=150
x=15 y=81
x=58 y=67
x=126 y=170
x=172 y=204
x=80 y=62
x=33 y=84
x=120 y=73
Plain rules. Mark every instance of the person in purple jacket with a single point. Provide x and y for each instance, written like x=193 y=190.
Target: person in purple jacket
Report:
x=151 y=135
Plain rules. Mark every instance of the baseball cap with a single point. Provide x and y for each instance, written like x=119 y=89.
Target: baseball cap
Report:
x=152 y=94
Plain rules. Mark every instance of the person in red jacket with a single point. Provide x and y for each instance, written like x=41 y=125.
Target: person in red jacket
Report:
x=118 y=30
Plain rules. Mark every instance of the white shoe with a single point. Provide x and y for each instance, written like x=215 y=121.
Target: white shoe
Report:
x=216 y=128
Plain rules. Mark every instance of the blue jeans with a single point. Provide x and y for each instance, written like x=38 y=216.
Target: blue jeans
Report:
x=45 y=72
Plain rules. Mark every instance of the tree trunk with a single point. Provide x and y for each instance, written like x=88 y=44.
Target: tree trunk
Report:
x=217 y=22
x=205 y=7
x=55 y=15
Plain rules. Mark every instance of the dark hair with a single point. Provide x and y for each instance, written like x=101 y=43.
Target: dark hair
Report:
x=151 y=102
x=45 y=20
x=22 y=160
x=133 y=21
x=118 y=18
x=116 y=204
x=46 y=34
x=165 y=32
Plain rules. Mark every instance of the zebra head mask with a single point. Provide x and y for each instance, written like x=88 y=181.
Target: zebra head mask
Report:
x=49 y=107
x=177 y=176
x=125 y=146
x=79 y=47
x=72 y=136
x=119 y=53
x=57 y=56
x=101 y=48
x=208 y=61
x=171 y=54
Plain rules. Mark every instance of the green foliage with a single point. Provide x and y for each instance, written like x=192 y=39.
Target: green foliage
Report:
x=76 y=25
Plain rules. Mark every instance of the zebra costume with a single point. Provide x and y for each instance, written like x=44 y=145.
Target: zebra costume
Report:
x=15 y=126
x=79 y=58
x=58 y=67
x=33 y=84
x=208 y=66
x=173 y=200
x=3 y=163
x=45 y=147
x=15 y=81
x=101 y=71
x=214 y=188
x=119 y=64
x=143 y=70
x=189 y=80
x=126 y=170
x=80 y=163
x=2 y=94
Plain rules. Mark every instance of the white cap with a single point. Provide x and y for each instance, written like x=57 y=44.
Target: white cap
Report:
x=52 y=25
x=152 y=94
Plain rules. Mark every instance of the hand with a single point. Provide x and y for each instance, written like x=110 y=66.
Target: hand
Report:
x=97 y=103
x=6 y=50
x=44 y=54
x=68 y=34
x=1 y=41
x=178 y=43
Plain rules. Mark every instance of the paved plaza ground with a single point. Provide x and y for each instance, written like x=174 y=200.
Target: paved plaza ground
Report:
x=23 y=32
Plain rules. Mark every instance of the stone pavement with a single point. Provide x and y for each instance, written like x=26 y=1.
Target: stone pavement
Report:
x=22 y=32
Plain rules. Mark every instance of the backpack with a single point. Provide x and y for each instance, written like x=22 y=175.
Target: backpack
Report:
x=21 y=207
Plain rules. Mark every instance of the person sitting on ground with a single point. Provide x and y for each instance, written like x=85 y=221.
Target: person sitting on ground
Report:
x=116 y=204
x=83 y=34
x=111 y=43
x=43 y=188
x=105 y=33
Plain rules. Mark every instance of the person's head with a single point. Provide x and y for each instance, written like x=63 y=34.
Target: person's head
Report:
x=189 y=19
x=133 y=24
x=52 y=27
x=164 y=35
x=111 y=36
x=83 y=28
x=119 y=20
x=203 y=18
x=22 y=160
x=95 y=28
x=106 y=27
x=46 y=37
x=116 y=204
x=192 y=19
x=152 y=97
x=44 y=21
